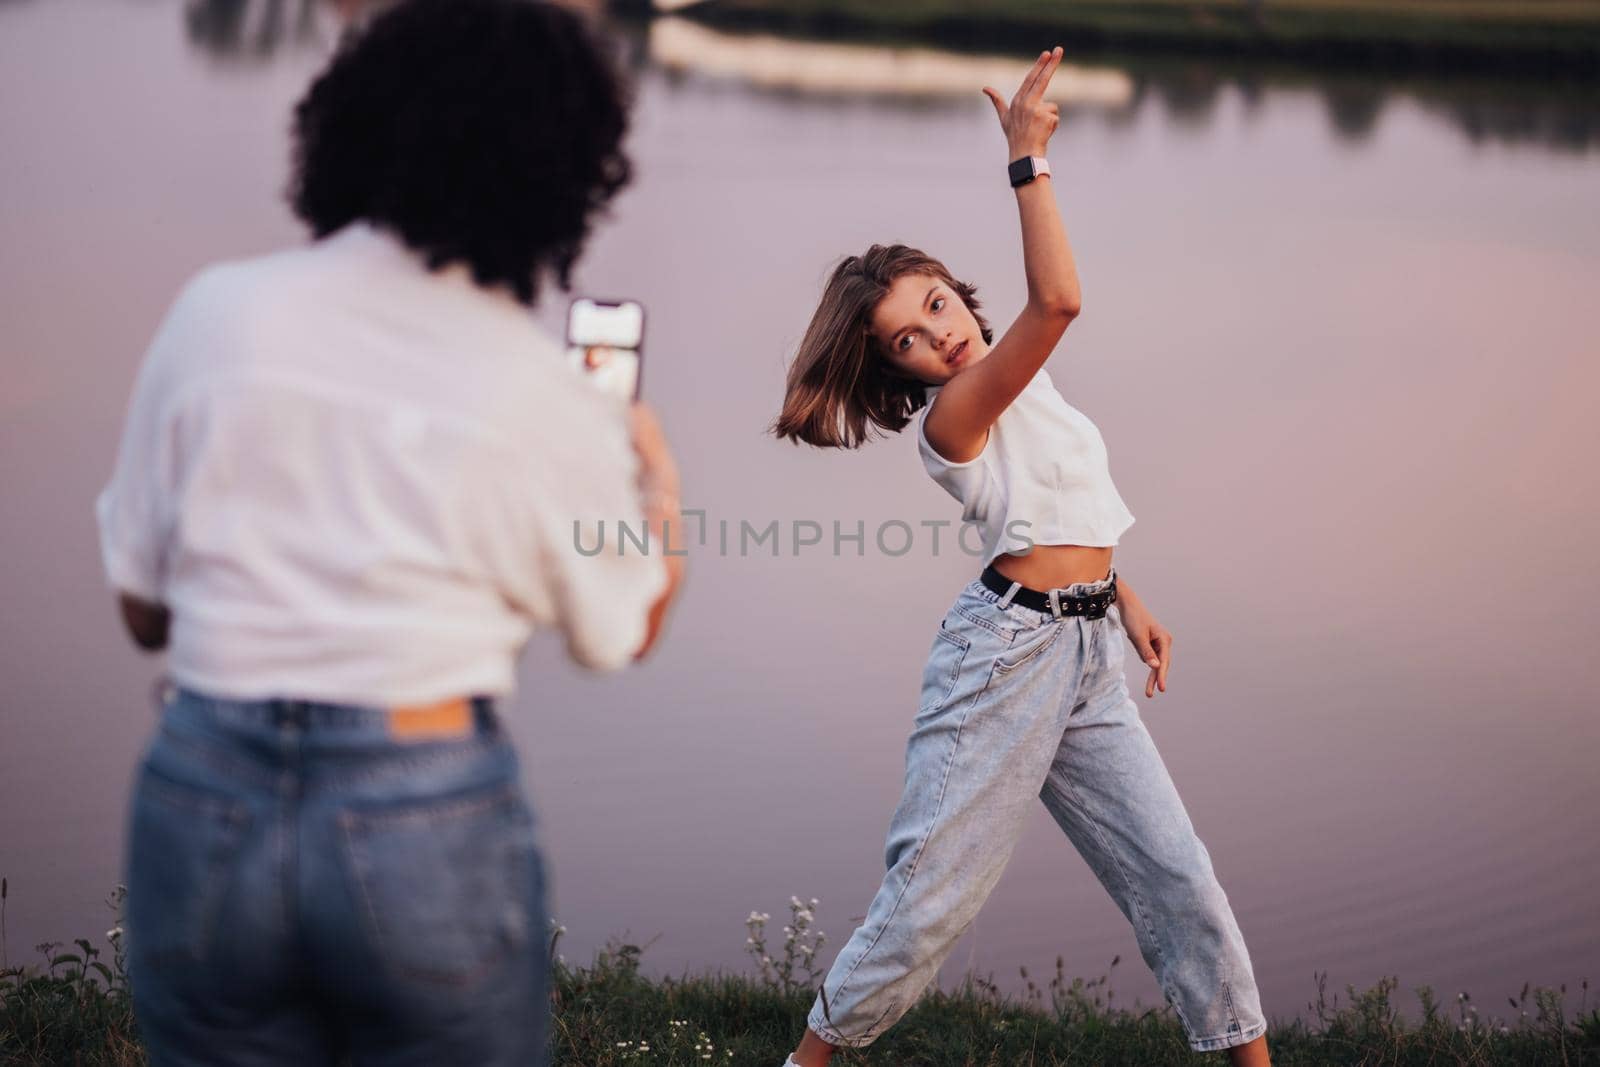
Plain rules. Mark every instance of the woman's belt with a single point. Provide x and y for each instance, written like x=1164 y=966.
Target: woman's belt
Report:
x=1055 y=602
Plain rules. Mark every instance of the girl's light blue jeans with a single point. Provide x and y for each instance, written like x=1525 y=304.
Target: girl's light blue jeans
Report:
x=1018 y=704
x=305 y=889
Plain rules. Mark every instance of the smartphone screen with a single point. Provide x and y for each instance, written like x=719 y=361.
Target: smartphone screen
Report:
x=605 y=343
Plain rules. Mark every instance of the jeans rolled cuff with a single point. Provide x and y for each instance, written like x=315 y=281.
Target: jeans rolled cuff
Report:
x=819 y=1026
x=1212 y=1044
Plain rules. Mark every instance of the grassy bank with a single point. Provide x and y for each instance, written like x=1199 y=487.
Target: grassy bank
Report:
x=609 y=1015
x=1531 y=38
x=74 y=1008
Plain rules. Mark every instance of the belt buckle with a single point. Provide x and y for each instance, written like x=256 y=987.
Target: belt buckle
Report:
x=434 y=721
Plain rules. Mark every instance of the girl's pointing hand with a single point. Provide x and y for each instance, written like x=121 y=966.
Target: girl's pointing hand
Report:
x=1028 y=121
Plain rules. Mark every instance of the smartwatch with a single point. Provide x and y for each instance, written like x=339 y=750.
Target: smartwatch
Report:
x=1026 y=169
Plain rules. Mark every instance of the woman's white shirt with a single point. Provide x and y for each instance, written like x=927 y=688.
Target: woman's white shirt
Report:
x=1043 y=477
x=353 y=479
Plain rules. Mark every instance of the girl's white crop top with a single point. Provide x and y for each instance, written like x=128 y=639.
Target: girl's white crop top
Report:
x=1041 y=479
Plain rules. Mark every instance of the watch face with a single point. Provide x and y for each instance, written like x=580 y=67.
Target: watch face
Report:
x=1021 y=170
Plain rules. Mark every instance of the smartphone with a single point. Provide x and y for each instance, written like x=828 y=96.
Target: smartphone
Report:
x=605 y=343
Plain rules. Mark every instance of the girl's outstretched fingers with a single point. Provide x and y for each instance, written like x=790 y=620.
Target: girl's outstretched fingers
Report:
x=1027 y=121
x=999 y=104
x=1031 y=79
x=1046 y=62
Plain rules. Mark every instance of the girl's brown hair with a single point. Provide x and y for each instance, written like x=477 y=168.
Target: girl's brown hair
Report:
x=840 y=379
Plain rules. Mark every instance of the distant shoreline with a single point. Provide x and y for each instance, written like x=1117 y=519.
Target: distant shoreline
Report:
x=1558 y=41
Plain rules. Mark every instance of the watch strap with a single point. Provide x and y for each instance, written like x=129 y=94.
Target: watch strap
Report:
x=1024 y=170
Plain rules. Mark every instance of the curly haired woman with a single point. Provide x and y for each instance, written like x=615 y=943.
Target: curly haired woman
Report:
x=347 y=484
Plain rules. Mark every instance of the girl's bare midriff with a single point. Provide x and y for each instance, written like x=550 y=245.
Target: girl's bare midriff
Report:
x=1055 y=566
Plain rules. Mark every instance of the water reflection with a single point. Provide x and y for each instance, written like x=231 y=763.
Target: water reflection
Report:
x=257 y=30
x=1354 y=109
x=1564 y=117
x=771 y=62
x=1567 y=120
x=1189 y=95
x=1556 y=116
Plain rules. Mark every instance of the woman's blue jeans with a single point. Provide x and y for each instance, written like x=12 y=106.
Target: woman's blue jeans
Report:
x=304 y=888
x=1018 y=704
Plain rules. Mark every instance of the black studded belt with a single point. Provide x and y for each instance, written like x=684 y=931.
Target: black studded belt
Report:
x=1091 y=605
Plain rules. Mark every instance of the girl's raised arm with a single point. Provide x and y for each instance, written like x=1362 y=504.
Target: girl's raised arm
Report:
x=958 y=424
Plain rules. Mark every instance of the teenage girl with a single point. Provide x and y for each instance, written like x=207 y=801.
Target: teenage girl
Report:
x=1023 y=694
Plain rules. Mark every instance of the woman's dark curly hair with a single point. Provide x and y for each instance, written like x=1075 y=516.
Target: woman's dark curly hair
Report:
x=485 y=131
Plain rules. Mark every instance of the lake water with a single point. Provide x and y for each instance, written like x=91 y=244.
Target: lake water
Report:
x=1340 y=339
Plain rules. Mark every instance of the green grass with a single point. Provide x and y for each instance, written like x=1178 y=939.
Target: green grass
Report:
x=608 y=1010
x=1538 y=38
x=74 y=1008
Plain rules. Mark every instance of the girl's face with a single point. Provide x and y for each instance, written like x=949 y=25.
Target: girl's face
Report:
x=926 y=329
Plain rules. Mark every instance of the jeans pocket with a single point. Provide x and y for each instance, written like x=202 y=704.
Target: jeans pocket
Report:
x=446 y=887
x=943 y=668
x=182 y=842
x=1026 y=645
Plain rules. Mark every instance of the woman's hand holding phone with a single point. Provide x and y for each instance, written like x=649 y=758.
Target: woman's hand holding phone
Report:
x=658 y=485
x=658 y=471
